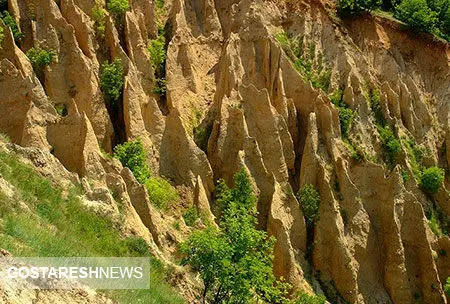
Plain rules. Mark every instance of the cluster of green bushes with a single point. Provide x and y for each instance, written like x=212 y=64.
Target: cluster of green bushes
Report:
x=311 y=68
x=54 y=222
x=40 y=58
x=235 y=260
x=117 y=7
x=346 y=115
x=10 y=22
x=309 y=199
x=391 y=145
x=99 y=15
x=111 y=81
x=157 y=52
x=432 y=16
x=447 y=287
x=133 y=156
x=430 y=179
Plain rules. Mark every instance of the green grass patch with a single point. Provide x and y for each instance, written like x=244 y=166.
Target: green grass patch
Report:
x=55 y=225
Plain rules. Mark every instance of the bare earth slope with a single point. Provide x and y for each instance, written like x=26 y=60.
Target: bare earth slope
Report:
x=232 y=83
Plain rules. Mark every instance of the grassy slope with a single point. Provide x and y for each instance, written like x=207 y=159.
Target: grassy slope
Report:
x=57 y=226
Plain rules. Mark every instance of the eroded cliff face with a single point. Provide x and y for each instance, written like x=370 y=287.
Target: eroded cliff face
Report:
x=236 y=99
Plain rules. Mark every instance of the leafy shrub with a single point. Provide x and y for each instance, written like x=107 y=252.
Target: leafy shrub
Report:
x=391 y=145
x=201 y=136
x=117 y=7
x=347 y=8
x=433 y=223
x=190 y=216
x=40 y=58
x=2 y=36
x=310 y=202
x=304 y=298
x=432 y=179
x=346 y=115
x=235 y=261
x=447 y=287
x=111 y=81
x=283 y=39
x=12 y=24
x=138 y=245
x=160 y=192
x=157 y=52
x=160 y=87
x=98 y=15
x=133 y=156
x=417 y=15
x=375 y=99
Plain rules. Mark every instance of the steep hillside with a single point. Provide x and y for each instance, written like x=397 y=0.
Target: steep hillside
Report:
x=357 y=108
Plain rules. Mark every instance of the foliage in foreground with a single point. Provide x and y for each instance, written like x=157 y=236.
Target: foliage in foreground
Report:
x=111 y=81
x=54 y=224
x=235 y=260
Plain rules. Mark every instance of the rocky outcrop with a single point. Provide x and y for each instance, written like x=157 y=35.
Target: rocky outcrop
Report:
x=238 y=97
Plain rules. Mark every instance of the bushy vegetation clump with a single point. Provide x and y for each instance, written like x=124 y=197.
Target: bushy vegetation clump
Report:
x=417 y=15
x=447 y=287
x=309 y=64
x=157 y=52
x=111 y=81
x=310 y=202
x=432 y=16
x=117 y=7
x=2 y=36
x=347 y=8
x=133 y=156
x=391 y=145
x=11 y=22
x=432 y=179
x=160 y=192
x=304 y=298
x=99 y=15
x=235 y=260
x=40 y=58
x=346 y=115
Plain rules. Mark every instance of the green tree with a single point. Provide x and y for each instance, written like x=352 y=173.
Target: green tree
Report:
x=432 y=179
x=118 y=7
x=40 y=58
x=133 y=156
x=111 y=81
x=99 y=15
x=235 y=261
x=417 y=15
x=12 y=24
x=310 y=201
x=157 y=52
x=391 y=145
x=347 y=8
x=346 y=115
